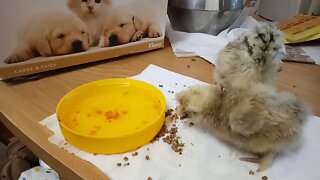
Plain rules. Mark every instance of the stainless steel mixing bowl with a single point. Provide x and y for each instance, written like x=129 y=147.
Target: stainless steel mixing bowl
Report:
x=203 y=16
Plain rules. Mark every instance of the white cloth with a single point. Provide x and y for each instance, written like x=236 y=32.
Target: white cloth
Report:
x=204 y=157
x=205 y=45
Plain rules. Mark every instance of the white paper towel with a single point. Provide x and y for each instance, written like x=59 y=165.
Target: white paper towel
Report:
x=204 y=45
x=204 y=157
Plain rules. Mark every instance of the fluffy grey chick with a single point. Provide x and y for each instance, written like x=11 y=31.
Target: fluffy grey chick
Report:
x=245 y=109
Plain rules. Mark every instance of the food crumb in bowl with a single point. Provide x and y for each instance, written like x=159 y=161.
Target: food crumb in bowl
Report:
x=99 y=112
x=111 y=115
x=264 y=178
x=125 y=93
x=124 y=112
x=93 y=132
x=251 y=172
x=119 y=164
x=97 y=127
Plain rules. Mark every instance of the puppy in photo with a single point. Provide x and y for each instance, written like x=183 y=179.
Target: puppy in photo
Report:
x=50 y=34
x=93 y=13
x=128 y=24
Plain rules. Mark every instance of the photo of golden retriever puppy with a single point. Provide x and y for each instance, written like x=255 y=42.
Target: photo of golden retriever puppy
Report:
x=129 y=24
x=93 y=13
x=50 y=34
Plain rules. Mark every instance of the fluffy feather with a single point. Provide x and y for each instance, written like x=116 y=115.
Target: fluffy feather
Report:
x=245 y=108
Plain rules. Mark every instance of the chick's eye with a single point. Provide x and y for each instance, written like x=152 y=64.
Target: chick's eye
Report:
x=61 y=36
x=97 y=1
x=121 y=25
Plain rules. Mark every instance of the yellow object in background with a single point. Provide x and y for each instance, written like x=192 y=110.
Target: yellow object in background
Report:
x=111 y=116
x=301 y=28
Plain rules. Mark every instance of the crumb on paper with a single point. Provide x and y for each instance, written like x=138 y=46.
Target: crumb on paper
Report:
x=185 y=116
x=119 y=164
x=168 y=112
x=179 y=165
x=169 y=134
x=264 y=178
x=149 y=178
x=160 y=85
x=126 y=158
x=160 y=134
x=126 y=164
x=147 y=157
x=251 y=172
x=135 y=154
x=148 y=149
x=191 y=124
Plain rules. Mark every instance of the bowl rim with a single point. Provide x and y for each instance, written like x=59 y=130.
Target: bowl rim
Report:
x=205 y=10
x=125 y=80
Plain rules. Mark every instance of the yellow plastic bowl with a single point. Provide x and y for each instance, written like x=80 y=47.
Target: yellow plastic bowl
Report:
x=111 y=116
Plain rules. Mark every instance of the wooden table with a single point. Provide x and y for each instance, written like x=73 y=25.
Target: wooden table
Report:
x=24 y=104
